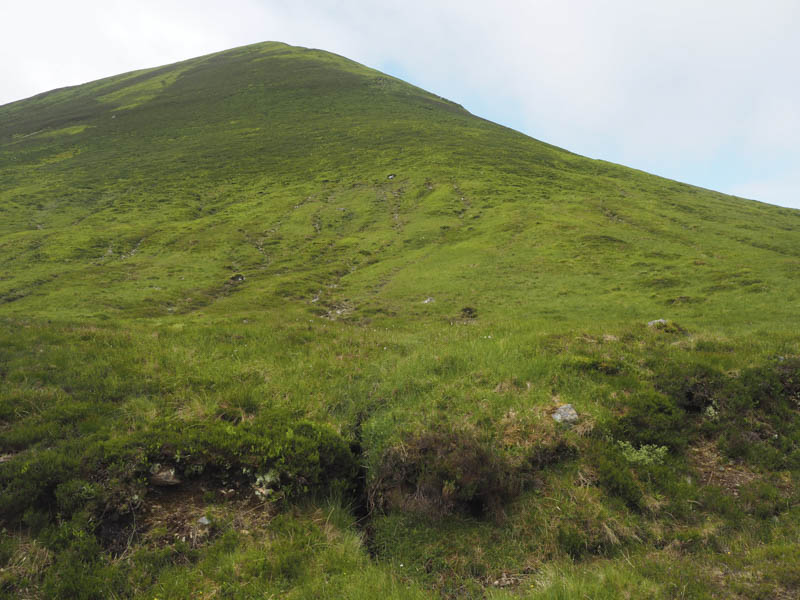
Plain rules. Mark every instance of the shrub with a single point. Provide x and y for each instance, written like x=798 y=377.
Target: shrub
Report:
x=788 y=371
x=774 y=387
x=78 y=572
x=692 y=387
x=443 y=471
x=614 y=475
x=307 y=458
x=655 y=420
x=648 y=454
x=30 y=483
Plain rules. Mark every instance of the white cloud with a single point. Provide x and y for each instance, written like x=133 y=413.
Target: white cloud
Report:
x=653 y=85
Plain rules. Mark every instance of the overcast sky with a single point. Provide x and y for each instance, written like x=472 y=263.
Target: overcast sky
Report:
x=702 y=92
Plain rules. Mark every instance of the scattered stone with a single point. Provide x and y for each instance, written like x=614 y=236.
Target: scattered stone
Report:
x=506 y=580
x=427 y=300
x=390 y=176
x=665 y=326
x=164 y=476
x=204 y=521
x=341 y=309
x=566 y=414
x=237 y=278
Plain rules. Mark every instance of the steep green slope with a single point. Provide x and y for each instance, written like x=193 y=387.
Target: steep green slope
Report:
x=275 y=162
x=311 y=288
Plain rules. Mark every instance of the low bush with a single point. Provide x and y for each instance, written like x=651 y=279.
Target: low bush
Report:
x=28 y=483
x=78 y=572
x=615 y=475
x=655 y=420
x=303 y=457
x=647 y=454
x=692 y=387
x=773 y=387
x=447 y=470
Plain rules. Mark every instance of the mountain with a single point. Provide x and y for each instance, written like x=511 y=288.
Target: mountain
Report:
x=274 y=322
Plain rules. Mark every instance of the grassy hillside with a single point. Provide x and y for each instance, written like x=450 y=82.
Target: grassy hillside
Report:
x=335 y=312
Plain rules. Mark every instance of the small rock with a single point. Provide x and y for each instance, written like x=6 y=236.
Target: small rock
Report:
x=164 y=477
x=657 y=323
x=566 y=414
x=204 y=521
x=427 y=300
x=237 y=278
x=390 y=176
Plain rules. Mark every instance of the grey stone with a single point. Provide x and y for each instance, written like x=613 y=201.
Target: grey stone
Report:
x=164 y=477
x=566 y=414
x=657 y=322
x=204 y=521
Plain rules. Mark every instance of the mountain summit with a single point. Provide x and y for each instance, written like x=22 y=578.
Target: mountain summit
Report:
x=305 y=170
x=273 y=323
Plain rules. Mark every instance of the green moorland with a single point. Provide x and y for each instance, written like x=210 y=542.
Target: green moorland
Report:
x=336 y=312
